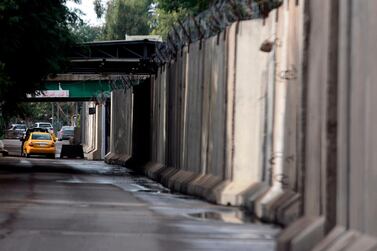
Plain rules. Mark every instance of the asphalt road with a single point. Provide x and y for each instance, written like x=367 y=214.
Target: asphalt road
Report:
x=87 y=205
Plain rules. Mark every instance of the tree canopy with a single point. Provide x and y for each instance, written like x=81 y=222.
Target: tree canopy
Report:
x=34 y=40
x=87 y=33
x=190 y=6
x=129 y=17
x=168 y=12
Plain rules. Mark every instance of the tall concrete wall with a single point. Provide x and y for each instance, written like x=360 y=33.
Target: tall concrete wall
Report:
x=282 y=202
x=227 y=118
x=209 y=108
x=287 y=132
x=121 y=126
x=340 y=168
x=131 y=120
x=93 y=131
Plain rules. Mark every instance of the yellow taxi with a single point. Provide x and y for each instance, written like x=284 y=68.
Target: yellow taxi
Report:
x=40 y=143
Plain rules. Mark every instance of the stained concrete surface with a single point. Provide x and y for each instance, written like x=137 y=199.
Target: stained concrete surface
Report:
x=86 y=205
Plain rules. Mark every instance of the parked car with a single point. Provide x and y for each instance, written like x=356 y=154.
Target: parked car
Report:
x=46 y=125
x=15 y=131
x=39 y=143
x=65 y=133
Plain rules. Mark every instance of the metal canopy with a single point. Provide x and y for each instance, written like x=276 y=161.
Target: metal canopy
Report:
x=112 y=57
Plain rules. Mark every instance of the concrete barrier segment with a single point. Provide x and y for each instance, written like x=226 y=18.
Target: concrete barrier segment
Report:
x=352 y=241
x=117 y=159
x=165 y=175
x=180 y=180
x=364 y=243
x=261 y=205
x=289 y=210
x=93 y=131
x=236 y=193
x=330 y=238
x=341 y=239
x=255 y=193
x=203 y=186
x=3 y=152
x=302 y=235
x=267 y=206
x=153 y=169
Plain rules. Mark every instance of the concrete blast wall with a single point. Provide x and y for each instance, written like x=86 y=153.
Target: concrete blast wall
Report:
x=340 y=188
x=226 y=117
x=121 y=126
x=208 y=115
x=286 y=129
x=93 y=127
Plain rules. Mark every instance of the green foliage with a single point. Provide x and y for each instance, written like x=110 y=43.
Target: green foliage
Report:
x=168 y=12
x=189 y=6
x=34 y=41
x=162 y=21
x=99 y=8
x=39 y=111
x=127 y=17
x=87 y=33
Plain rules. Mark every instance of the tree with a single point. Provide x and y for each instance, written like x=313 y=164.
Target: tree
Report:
x=87 y=33
x=99 y=8
x=168 y=12
x=127 y=17
x=190 y=6
x=35 y=40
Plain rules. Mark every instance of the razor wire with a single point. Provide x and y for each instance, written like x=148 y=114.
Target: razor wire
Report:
x=210 y=23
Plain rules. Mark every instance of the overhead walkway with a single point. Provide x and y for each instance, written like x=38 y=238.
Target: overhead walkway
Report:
x=97 y=68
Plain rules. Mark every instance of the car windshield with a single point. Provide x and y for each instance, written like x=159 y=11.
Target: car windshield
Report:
x=44 y=125
x=40 y=136
x=21 y=127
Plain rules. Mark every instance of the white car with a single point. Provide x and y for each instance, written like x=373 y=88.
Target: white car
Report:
x=46 y=125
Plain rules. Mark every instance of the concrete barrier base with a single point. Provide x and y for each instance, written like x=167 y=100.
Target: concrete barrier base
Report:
x=3 y=152
x=180 y=180
x=340 y=239
x=203 y=185
x=256 y=193
x=331 y=238
x=208 y=187
x=93 y=154
x=236 y=193
x=289 y=209
x=117 y=159
x=72 y=151
x=302 y=235
x=274 y=202
x=166 y=174
x=153 y=170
